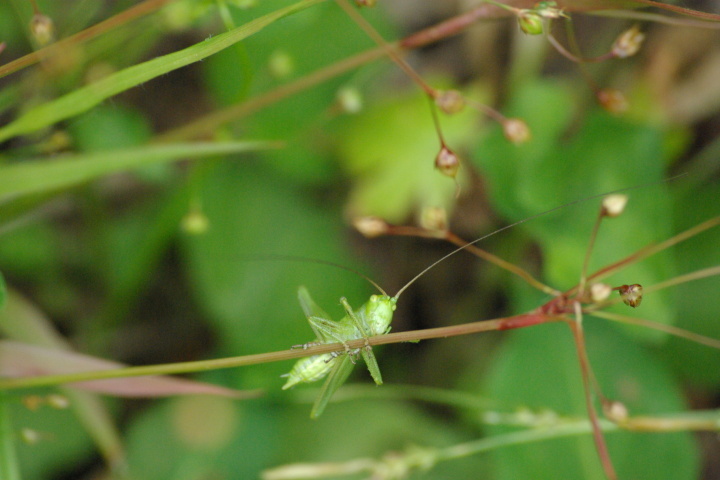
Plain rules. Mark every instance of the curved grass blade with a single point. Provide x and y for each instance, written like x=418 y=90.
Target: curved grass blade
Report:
x=3 y=291
x=87 y=97
x=34 y=176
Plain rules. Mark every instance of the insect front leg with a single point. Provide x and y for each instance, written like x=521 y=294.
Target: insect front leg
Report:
x=366 y=352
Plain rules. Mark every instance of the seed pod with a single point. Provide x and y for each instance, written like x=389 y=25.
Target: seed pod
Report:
x=516 y=130
x=616 y=411
x=370 y=227
x=600 y=292
x=631 y=294
x=628 y=43
x=612 y=100
x=450 y=101
x=42 y=28
x=350 y=99
x=530 y=22
x=434 y=218
x=613 y=205
x=447 y=162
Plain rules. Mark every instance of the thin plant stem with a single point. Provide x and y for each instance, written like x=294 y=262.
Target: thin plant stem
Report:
x=505 y=265
x=585 y=370
x=517 y=321
x=126 y=16
x=574 y=58
x=419 y=458
x=588 y=253
x=389 y=49
x=671 y=329
x=653 y=249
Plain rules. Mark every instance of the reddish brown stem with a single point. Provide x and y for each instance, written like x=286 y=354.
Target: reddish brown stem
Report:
x=653 y=249
x=452 y=26
x=585 y=371
x=680 y=10
x=126 y=16
x=574 y=58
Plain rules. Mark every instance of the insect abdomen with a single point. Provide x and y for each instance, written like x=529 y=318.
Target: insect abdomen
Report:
x=310 y=369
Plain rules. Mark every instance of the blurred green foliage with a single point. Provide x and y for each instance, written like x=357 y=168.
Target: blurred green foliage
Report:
x=108 y=259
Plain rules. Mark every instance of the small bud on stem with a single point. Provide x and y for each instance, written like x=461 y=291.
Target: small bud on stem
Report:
x=42 y=28
x=614 y=205
x=516 y=130
x=434 y=218
x=628 y=43
x=600 y=292
x=615 y=411
x=450 y=101
x=350 y=99
x=612 y=100
x=631 y=294
x=447 y=162
x=530 y=22
x=370 y=227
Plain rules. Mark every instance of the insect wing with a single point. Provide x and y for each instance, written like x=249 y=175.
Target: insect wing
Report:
x=310 y=308
x=312 y=311
x=338 y=376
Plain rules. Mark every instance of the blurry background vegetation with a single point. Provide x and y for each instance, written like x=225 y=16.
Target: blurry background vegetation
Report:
x=155 y=265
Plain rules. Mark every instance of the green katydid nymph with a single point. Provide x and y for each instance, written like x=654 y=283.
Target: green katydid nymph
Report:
x=373 y=318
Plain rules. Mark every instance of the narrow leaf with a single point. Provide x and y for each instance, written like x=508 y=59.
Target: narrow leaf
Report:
x=9 y=469
x=87 y=97
x=3 y=291
x=41 y=175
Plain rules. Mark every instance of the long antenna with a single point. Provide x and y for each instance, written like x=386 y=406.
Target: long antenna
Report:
x=297 y=258
x=531 y=217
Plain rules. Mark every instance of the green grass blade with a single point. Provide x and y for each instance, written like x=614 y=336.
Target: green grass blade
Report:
x=9 y=469
x=3 y=291
x=34 y=176
x=87 y=97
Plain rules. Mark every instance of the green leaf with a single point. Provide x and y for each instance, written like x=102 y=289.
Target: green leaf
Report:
x=699 y=301
x=85 y=98
x=538 y=369
x=37 y=175
x=390 y=151
x=110 y=128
